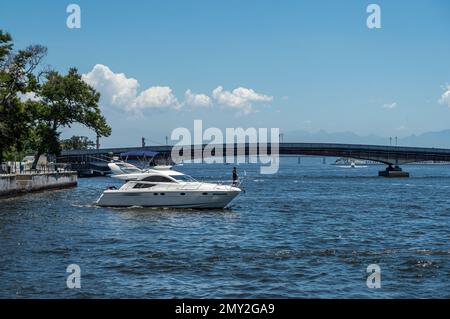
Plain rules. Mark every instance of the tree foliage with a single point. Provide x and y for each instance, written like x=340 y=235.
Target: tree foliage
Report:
x=63 y=101
x=17 y=77
x=77 y=143
x=59 y=101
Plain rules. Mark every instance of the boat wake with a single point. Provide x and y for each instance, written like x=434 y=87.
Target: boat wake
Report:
x=93 y=205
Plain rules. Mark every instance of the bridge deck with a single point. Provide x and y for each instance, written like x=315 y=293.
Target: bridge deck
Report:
x=391 y=155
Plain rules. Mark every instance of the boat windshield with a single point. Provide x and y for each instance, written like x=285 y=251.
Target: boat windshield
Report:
x=183 y=178
x=128 y=168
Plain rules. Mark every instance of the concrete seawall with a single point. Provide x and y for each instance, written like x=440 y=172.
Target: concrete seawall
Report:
x=11 y=185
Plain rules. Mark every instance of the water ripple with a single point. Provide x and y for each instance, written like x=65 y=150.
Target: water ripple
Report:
x=308 y=231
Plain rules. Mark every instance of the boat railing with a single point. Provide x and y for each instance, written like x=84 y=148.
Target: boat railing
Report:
x=227 y=183
x=187 y=186
x=197 y=185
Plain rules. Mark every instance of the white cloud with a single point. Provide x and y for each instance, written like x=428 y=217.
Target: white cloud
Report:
x=156 y=96
x=240 y=98
x=115 y=88
x=445 y=98
x=118 y=90
x=201 y=100
x=390 y=105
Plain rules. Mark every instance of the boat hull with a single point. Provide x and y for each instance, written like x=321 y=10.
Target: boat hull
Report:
x=167 y=199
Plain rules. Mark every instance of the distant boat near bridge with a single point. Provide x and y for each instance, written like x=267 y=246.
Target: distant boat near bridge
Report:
x=347 y=161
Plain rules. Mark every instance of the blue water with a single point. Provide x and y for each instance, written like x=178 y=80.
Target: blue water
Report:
x=309 y=231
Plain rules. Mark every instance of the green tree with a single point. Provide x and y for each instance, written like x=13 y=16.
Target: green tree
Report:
x=17 y=77
x=59 y=101
x=64 y=100
x=77 y=143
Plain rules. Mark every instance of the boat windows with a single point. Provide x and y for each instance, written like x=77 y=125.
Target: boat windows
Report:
x=183 y=178
x=128 y=168
x=142 y=185
x=158 y=179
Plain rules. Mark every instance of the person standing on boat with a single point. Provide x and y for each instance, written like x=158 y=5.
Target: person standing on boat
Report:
x=235 y=176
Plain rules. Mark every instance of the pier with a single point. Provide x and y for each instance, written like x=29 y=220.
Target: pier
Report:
x=17 y=184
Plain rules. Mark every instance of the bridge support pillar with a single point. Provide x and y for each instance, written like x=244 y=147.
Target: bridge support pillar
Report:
x=393 y=171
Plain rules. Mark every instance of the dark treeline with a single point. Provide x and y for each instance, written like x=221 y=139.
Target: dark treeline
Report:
x=36 y=102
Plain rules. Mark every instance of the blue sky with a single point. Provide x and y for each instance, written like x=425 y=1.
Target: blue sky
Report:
x=296 y=65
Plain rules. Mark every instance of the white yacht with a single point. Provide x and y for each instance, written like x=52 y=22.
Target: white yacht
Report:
x=161 y=186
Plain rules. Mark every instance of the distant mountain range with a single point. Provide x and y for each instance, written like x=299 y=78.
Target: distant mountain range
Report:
x=429 y=139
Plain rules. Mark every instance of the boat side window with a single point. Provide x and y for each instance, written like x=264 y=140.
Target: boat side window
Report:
x=158 y=179
x=142 y=185
x=184 y=178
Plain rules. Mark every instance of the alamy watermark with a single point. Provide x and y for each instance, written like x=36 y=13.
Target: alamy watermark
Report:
x=207 y=146
x=374 y=278
x=374 y=19
x=73 y=21
x=74 y=279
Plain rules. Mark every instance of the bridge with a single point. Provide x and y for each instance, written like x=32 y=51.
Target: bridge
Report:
x=392 y=156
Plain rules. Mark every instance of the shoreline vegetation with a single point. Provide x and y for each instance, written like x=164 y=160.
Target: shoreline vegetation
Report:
x=36 y=102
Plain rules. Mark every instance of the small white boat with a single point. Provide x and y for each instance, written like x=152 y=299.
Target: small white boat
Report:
x=161 y=186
